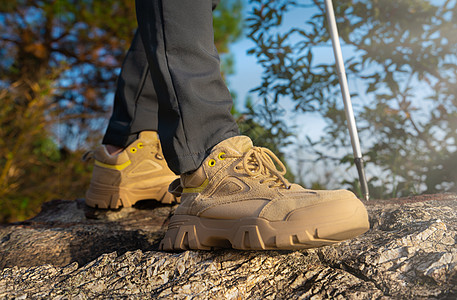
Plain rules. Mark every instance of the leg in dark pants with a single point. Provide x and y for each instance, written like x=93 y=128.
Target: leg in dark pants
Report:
x=194 y=103
x=135 y=101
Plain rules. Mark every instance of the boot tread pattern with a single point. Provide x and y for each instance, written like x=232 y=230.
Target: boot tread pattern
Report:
x=191 y=232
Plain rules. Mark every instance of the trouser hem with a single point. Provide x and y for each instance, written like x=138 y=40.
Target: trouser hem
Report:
x=190 y=162
x=119 y=140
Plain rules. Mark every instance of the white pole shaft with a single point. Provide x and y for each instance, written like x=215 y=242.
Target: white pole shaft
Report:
x=343 y=80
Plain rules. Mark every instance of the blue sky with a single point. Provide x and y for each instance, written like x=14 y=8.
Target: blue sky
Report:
x=248 y=71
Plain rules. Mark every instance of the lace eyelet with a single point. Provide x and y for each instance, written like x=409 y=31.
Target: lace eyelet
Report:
x=221 y=156
x=133 y=150
x=140 y=145
x=158 y=156
x=211 y=163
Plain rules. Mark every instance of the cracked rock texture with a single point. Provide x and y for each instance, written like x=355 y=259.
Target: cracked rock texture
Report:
x=70 y=251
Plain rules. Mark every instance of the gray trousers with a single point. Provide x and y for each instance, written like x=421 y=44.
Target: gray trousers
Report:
x=171 y=82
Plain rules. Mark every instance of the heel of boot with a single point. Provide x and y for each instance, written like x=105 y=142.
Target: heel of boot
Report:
x=166 y=197
x=108 y=197
x=98 y=196
x=182 y=234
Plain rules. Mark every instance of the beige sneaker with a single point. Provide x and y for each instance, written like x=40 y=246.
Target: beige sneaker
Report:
x=238 y=198
x=139 y=172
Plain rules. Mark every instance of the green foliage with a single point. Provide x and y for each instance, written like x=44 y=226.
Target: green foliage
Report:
x=228 y=28
x=78 y=45
x=403 y=61
x=61 y=59
x=33 y=169
x=228 y=24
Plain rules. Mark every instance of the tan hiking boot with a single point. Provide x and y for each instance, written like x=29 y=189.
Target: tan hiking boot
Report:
x=139 y=172
x=238 y=198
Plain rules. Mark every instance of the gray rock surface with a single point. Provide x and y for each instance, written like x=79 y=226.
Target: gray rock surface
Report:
x=71 y=252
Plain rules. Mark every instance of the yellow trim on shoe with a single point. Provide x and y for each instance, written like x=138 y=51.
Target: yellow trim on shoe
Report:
x=196 y=189
x=113 y=167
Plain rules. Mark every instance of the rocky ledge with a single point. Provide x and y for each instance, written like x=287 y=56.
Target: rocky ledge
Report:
x=69 y=251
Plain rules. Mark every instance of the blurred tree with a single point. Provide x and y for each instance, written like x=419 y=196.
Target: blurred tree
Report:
x=78 y=45
x=228 y=28
x=404 y=61
x=32 y=167
x=60 y=60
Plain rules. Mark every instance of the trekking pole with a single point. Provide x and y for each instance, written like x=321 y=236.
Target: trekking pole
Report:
x=358 y=160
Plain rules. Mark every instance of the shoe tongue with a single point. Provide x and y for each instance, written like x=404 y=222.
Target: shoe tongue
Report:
x=240 y=144
x=194 y=179
x=236 y=145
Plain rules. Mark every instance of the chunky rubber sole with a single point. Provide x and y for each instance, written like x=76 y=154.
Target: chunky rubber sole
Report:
x=192 y=232
x=109 y=197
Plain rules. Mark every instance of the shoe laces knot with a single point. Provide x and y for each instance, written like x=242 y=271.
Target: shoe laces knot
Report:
x=261 y=163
